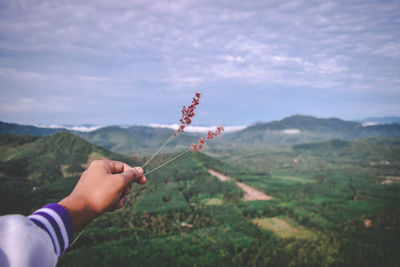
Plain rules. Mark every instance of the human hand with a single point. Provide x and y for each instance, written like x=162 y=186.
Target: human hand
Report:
x=102 y=187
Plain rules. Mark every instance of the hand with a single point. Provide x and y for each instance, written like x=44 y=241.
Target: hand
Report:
x=102 y=187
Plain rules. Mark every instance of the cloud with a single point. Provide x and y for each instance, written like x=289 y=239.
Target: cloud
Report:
x=198 y=129
x=140 y=49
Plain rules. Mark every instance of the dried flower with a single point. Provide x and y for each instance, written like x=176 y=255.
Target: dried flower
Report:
x=188 y=113
x=202 y=140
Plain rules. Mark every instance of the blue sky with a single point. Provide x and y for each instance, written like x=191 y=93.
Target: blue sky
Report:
x=137 y=62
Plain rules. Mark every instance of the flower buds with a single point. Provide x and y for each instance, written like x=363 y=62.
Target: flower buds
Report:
x=188 y=113
x=202 y=140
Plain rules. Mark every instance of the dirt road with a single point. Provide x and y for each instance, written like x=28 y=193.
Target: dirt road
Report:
x=250 y=193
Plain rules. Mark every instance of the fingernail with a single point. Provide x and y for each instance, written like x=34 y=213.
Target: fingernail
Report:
x=139 y=171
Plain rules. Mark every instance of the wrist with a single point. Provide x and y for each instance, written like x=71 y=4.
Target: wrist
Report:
x=81 y=214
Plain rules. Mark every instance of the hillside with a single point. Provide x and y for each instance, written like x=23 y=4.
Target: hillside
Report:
x=13 y=128
x=137 y=139
x=385 y=149
x=30 y=165
x=302 y=129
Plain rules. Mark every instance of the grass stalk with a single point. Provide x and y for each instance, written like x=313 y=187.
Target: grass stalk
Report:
x=165 y=163
x=158 y=151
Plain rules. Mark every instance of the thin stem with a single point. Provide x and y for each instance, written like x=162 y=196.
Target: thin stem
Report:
x=167 y=162
x=76 y=238
x=158 y=151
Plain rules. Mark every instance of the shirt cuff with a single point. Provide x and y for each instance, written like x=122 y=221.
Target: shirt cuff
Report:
x=55 y=220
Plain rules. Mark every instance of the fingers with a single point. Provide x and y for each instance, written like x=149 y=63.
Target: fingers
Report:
x=127 y=190
x=141 y=180
x=133 y=174
x=120 y=203
x=117 y=167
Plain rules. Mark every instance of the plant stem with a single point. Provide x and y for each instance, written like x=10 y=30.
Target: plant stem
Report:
x=76 y=238
x=158 y=151
x=165 y=163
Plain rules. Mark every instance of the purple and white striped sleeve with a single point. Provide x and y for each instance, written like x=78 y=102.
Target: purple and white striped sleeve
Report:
x=56 y=222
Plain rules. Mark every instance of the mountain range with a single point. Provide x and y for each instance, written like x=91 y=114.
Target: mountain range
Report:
x=286 y=132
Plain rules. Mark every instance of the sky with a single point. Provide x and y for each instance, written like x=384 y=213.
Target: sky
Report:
x=137 y=62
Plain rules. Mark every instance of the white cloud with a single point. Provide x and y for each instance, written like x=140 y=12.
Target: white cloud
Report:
x=198 y=129
x=291 y=131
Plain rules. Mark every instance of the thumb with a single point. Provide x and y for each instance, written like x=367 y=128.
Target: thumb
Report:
x=132 y=174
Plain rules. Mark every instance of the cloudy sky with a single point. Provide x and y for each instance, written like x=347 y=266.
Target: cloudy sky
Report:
x=138 y=62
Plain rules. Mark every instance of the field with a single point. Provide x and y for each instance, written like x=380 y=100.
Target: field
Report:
x=284 y=227
x=327 y=206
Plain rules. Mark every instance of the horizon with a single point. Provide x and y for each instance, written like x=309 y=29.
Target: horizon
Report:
x=119 y=62
x=88 y=127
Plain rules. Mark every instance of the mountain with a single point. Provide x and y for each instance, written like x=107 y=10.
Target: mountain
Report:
x=302 y=129
x=144 y=140
x=123 y=140
x=137 y=139
x=13 y=128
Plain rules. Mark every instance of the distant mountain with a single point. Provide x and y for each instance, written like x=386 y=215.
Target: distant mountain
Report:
x=123 y=140
x=137 y=139
x=144 y=140
x=302 y=129
x=80 y=128
x=13 y=128
x=380 y=120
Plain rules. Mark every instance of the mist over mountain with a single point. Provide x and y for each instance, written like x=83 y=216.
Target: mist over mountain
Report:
x=380 y=120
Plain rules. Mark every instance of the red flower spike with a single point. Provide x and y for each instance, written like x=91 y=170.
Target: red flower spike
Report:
x=193 y=147
x=188 y=113
x=209 y=135
x=202 y=140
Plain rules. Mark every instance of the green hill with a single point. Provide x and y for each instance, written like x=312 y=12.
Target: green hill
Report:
x=303 y=129
x=31 y=167
x=367 y=149
x=13 y=128
x=137 y=139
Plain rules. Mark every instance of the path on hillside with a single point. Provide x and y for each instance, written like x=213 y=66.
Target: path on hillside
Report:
x=250 y=193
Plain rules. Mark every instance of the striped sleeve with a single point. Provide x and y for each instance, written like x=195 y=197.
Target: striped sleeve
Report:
x=56 y=222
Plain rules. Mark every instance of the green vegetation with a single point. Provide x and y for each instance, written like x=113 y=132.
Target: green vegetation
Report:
x=284 y=227
x=331 y=205
x=36 y=170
